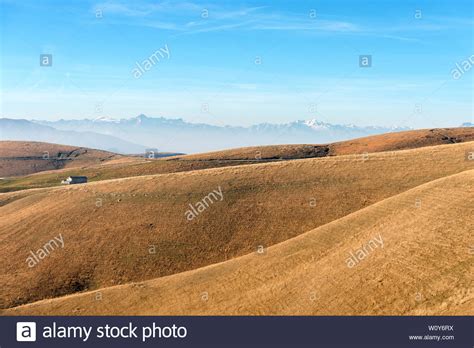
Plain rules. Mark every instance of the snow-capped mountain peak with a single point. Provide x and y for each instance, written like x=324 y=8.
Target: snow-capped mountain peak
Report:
x=106 y=119
x=178 y=135
x=315 y=124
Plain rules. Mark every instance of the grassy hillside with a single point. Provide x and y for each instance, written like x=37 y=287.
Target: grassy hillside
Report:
x=128 y=167
x=375 y=143
x=135 y=229
x=22 y=158
x=421 y=265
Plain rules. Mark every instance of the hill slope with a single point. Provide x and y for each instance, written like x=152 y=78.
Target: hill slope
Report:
x=416 y=260
x=250 y=155
x=135 y=229
x=22 y=158
x=375 y=143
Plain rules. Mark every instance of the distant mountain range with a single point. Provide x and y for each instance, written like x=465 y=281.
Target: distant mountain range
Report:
x=135 y=135
x=180 y=136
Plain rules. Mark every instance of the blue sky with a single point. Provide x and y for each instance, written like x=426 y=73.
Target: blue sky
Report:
x=308 y=53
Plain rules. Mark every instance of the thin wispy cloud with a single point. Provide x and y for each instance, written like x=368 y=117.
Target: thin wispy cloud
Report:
x=192 y=18
x=186 y=17
x=261 y=59
x=145 y=9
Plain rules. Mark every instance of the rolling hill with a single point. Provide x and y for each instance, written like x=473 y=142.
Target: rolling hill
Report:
x=21 y=157
x=375 y=143
x=419 y=263
x=250 y=155
x=111 y=226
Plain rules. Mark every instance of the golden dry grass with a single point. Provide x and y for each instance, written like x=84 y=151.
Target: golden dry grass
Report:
x=424 y=267
x=22 y=157
x=135 y=166
x=374 y=143
x=263 y=205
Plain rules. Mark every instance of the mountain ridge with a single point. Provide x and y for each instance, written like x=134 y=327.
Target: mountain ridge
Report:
x=25 y=130
x=178 y=135
x=139 y=133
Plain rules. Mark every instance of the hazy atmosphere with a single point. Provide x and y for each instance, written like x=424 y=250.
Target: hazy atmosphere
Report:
x=240 y=63
x=222 y=166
